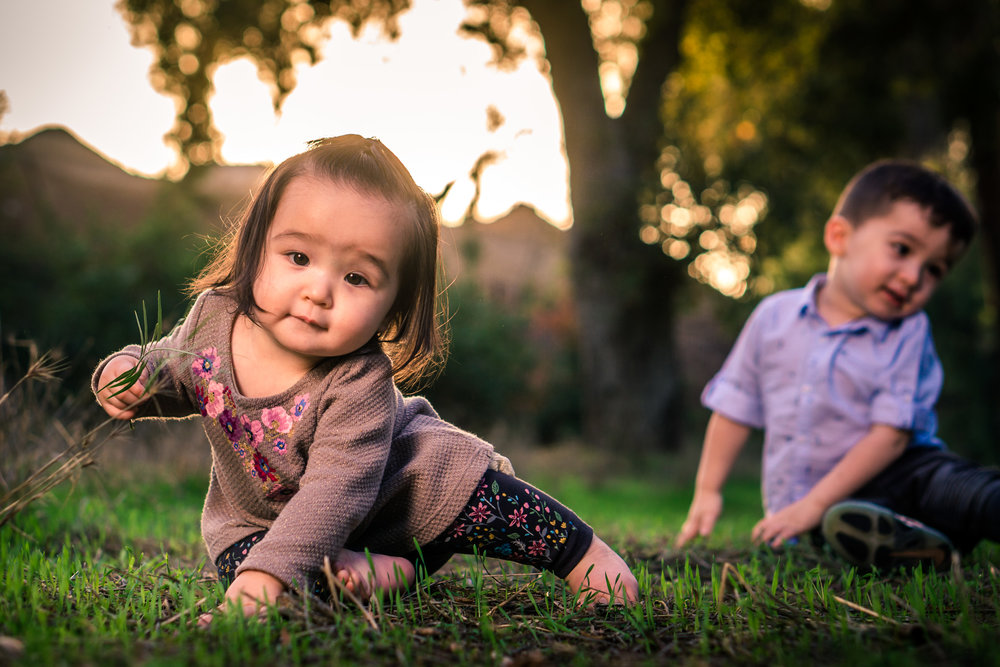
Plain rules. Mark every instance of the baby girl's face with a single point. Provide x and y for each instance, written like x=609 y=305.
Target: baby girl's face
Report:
x=330 y=270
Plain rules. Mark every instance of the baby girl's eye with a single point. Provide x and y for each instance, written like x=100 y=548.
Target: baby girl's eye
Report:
x=298 y=258
x=901 y=249
x=355 y=279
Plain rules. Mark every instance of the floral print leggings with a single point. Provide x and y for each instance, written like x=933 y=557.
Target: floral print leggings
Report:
x=505 y=518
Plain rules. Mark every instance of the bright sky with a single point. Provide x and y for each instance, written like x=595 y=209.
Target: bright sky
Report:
x=70 y=63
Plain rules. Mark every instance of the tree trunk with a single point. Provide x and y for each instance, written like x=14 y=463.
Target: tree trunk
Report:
x=974 y=93
x=624 y=290
x=985 y=132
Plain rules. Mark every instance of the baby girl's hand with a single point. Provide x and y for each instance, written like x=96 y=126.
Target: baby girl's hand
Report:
x=120 y=405
x=252 y=590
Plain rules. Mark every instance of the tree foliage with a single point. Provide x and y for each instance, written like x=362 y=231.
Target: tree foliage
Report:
x=190 y=38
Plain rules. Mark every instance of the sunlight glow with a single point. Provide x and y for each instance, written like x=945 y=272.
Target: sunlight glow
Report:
x=432 y=95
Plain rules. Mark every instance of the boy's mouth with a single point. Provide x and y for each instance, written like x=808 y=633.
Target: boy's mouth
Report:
x=898 y=299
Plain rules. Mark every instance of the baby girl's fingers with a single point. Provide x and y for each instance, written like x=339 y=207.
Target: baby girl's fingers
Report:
x=122 y=406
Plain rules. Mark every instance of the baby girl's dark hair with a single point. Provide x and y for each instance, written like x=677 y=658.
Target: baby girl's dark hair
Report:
x=874 y=190
x=414 y=336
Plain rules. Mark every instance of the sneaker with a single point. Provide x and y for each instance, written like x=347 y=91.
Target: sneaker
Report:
x=869 y=535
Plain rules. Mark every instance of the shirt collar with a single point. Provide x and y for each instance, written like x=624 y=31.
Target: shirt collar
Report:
x=807 y=307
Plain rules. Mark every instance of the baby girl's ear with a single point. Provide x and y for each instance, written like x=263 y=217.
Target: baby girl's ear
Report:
x=836 y=233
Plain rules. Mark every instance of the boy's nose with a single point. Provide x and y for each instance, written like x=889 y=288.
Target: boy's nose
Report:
x=912 y=273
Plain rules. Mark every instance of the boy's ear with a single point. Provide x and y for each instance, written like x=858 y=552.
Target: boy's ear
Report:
x=835 y=235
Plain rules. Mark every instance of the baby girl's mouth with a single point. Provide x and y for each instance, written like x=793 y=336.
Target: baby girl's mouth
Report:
x=310 y=322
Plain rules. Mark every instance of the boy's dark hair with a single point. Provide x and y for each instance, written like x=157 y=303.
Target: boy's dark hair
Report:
x=881 y=184
x=415 y=330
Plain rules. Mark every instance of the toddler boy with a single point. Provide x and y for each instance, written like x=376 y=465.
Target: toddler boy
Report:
x=843 y=377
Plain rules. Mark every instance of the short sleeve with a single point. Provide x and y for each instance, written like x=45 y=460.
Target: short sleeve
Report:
x=911 y=383
x=735 y=390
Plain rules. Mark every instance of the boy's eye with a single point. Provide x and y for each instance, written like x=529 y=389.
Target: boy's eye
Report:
x=298 y=258
x=355 y=279
x=936 y=271
x=901 y=249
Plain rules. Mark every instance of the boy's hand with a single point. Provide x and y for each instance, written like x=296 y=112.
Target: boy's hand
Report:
x=704 y=512
x=252 y=590
x=788 y=522
x=120 y=405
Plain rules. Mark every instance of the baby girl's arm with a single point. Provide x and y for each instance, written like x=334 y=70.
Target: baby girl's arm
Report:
x=161 y=391
x=117 y=403
x=348 y=447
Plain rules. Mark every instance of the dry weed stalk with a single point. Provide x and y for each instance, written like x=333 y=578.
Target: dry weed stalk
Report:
x=43 y=368
x=79 y=452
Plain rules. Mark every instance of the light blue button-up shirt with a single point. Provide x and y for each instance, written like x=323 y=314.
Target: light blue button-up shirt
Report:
x=816 y=390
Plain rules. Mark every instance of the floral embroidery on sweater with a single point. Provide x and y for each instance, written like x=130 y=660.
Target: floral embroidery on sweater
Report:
x=252 y=438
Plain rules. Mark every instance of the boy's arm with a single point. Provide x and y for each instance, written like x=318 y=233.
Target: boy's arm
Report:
x=724 y=438
x=870 y=456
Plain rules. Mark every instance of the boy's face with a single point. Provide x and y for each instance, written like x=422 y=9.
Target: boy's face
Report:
x=886 y=267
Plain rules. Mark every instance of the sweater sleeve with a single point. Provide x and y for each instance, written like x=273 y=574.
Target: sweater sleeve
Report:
x=166 y=360
x=342 y=476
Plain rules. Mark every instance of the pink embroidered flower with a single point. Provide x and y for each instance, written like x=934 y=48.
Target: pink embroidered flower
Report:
x=205 y=363
x=299 y=406
x=280 y=445
x=458 y=530
x=277 y=419
x=537 y=547
x=230 y=426
x=254 y=430
x=480 y=513
x=518 y=518
x=214 y=405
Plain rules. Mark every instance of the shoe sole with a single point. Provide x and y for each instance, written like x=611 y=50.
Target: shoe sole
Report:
x=870 y=535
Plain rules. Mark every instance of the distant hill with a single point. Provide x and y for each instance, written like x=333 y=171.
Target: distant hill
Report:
x=52 y=171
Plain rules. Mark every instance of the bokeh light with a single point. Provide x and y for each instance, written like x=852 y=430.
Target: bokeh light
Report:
x=713 y=230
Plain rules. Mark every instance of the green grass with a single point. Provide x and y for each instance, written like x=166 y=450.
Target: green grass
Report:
x=111 y=571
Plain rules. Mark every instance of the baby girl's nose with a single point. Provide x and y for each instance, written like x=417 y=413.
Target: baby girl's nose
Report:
x=319 y=292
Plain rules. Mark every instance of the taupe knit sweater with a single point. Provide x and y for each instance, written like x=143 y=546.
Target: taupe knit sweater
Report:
x=340 y=458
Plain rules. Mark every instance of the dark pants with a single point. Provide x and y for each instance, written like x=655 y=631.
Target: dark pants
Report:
x=505 y=518
x=944 y=491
